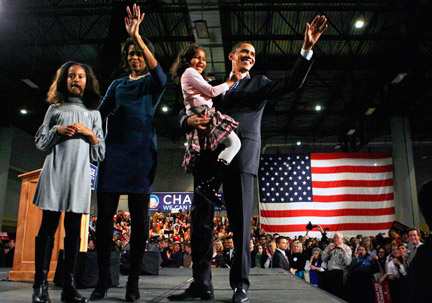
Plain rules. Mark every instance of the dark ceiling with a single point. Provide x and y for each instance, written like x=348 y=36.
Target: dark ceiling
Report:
x=353 y=68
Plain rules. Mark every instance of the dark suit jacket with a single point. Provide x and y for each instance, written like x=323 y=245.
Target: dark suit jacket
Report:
x=246 y=105
x=279 y=261
x=227 y=259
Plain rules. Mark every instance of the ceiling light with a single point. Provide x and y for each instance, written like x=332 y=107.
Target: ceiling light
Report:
x=23 y=111
x=298 y=143
x=359 y=24
x=351 y=132
x=164 y=109
x=318 y=108
x=185 y=144
x=399 y=78
x=370 y=111
x=201 y=29
x=29 y=83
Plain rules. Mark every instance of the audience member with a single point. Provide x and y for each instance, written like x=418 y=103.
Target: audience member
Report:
x=175 y=256
x=414 y=238
x=338 y=257
x=297 y=259
x=315 y=266
x=280 y=259
x=360 y=278
x=419 y=271
x=229 y=251
x=187 y=256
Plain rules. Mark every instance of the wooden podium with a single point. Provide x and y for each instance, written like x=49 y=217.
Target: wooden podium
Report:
x=29 y=220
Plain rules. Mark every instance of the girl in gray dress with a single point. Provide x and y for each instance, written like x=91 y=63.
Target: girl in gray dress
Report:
x=72 y=134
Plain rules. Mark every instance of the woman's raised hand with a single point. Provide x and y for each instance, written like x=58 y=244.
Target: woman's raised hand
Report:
x=133 y=20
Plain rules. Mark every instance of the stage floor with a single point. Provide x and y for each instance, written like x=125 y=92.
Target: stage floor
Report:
x=268 y=285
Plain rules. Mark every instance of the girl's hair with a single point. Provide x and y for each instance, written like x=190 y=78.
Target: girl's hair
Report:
x=125 y=50
x=182 y=62
x=58 y=92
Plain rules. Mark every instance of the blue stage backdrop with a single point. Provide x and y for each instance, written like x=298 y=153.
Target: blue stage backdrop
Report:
x=173 y=202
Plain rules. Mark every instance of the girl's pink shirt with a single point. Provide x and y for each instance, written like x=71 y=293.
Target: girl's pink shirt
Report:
x=196 y=90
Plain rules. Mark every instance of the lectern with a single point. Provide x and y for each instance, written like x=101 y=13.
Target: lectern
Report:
x=29 y=220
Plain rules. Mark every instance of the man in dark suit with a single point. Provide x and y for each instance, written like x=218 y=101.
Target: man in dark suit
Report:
x=245 y=104
x=280 y=259
x=229 y=252
x=419 y=271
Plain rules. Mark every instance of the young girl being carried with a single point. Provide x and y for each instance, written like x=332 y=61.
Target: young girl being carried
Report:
x=72 y=134
x=189 y=70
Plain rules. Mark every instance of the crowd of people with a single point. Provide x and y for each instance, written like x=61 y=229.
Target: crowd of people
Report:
x=345 y=267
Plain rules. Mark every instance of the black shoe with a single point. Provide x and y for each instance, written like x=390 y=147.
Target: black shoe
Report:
x=40 y=295
x=98 y=294
x=208 y=192
x=188 y=295
x=43 y=251
x=101 y=290
x=132 y=291
x=71 y=295
x=240 y=296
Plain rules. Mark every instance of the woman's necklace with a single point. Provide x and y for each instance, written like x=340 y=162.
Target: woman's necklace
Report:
x=137 y=78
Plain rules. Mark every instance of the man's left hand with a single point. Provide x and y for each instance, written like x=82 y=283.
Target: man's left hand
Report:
x=314 y=31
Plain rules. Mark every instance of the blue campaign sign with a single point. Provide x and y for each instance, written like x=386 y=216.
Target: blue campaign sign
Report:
x=93 y=175
x=173 y=201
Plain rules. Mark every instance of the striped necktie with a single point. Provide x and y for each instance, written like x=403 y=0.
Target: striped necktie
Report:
x=228 y=93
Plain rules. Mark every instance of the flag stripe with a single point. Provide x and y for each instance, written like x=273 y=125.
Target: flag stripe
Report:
x=351 y=169
x=352 y=183
x=327 y=213
x=352 y=191
x=326 y=221
x=326 y=206
x=347 y=198
x=351 y=162
x=334 y=227
x=352 y=176
x=329 y=156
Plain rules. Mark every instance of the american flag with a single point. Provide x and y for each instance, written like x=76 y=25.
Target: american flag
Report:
x=350 y=193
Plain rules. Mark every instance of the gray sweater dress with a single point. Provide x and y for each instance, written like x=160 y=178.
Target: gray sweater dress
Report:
x=64 y=183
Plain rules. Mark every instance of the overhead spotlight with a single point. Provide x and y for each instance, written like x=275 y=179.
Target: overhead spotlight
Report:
x=164 y=109
x=399 y=78
x=298 y=143
x=318 y=108
x=359 y=24
x=351 y=132
x=201 y=29
x=23 y=111
x=370 y=111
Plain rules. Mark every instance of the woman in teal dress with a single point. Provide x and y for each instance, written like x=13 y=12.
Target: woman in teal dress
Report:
x=131 y=155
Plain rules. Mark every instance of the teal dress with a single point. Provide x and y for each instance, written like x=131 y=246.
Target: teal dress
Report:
x=131 y=153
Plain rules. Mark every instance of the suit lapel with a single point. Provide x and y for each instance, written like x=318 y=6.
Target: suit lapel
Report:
x=229 y=99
